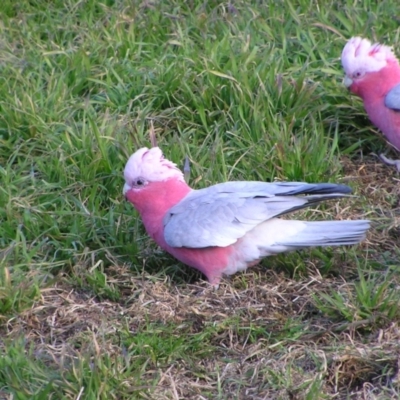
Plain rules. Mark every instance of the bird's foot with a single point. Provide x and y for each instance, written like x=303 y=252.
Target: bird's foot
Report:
x=388 y=161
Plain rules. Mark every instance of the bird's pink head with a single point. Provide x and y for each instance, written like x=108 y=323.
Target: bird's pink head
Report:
x=149 y=165
x=360 y=57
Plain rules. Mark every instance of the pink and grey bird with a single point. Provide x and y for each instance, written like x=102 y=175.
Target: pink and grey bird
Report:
x=228 y=227
x=373 y=73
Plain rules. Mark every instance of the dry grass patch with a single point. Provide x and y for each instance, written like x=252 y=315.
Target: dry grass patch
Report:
x=379 y=187
x=264 y=340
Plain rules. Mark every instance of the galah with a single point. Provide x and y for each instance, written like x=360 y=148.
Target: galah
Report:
x=230 y=226
x=373 y=73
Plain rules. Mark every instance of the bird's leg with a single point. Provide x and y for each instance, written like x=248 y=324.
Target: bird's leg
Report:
x=388 y=161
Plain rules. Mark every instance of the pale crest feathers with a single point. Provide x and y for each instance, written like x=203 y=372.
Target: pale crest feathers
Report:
x=360 y=55
x=151 y=165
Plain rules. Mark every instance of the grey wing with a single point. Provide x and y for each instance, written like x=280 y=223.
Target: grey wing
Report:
x=392 y=99
x=222 y=214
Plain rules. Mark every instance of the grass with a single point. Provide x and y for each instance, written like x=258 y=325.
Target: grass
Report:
x=90 y=308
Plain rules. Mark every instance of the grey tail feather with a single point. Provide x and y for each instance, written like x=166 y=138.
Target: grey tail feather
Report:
x=329 y=233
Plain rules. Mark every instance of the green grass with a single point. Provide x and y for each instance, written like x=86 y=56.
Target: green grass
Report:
x=249 y=90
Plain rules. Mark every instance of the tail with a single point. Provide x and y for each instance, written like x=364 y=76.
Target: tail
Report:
x=327 y=233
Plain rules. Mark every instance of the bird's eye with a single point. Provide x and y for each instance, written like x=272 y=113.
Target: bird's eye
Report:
x=138 y=182
x=358 y=74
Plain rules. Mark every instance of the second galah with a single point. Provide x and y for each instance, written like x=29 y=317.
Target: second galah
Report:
x=230 y=226
x=373 y=73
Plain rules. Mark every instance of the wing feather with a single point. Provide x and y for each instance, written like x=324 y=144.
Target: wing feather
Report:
x=223 y=213
x=392 y=99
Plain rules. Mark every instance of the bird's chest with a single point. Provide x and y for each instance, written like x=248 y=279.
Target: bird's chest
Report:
x=154 y=226
x=386 y=119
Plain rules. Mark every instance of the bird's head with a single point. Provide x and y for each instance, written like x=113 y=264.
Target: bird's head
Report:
x=360 y=57
x=146 y=166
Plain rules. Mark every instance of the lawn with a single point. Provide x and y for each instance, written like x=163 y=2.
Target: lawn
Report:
x=90 y=307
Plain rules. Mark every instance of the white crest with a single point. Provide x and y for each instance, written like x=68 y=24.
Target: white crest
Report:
x=150 y=165
x=359 y=55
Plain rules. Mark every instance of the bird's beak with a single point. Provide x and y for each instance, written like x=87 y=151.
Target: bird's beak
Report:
x=126 y=189
x=347 y=81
